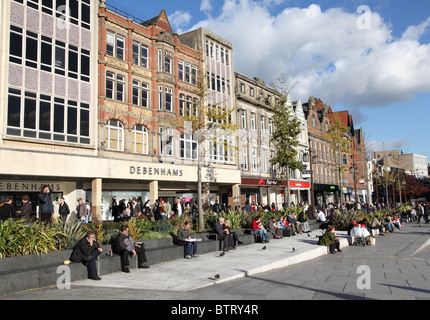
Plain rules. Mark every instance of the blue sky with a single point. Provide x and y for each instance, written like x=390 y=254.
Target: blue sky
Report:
x=381 y=74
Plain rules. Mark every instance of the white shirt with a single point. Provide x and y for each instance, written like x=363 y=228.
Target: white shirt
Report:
x=321 y=216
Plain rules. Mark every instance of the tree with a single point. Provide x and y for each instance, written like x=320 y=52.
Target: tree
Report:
x=285 y=136
x=339 y=139
x=206 y=122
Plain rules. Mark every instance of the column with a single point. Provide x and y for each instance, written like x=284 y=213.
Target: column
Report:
x=96 y=200
x=153 y=191
x=236 y=194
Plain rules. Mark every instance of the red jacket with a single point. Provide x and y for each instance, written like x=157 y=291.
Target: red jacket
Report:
x=254 y=225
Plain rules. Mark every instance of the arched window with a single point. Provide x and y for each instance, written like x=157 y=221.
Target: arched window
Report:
x=115 y=135
x=140 y=139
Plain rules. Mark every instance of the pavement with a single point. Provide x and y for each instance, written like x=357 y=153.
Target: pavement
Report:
x=191 y=274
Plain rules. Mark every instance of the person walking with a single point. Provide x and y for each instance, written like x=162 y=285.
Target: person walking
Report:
x=63 y=210
x=46 y=206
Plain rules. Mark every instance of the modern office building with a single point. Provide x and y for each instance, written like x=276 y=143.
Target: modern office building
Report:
x=48 y=99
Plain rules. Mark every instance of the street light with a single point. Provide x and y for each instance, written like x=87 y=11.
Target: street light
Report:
x=312 y=159
x=354 y=169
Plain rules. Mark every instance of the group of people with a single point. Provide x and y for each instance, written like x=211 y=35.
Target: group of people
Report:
x=159 y=211
x=87 y=251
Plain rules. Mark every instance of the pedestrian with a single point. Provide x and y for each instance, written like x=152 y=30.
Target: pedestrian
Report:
x=184 y=239
x=25 y=213
x=7 y=211
x=63 y=209
x=81 y=211
x=46 y=206
x=127 y=247
x=178 y=208
x=86 y=252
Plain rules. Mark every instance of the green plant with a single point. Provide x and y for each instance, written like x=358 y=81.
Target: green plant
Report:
x=343 y=220
x=17 y=238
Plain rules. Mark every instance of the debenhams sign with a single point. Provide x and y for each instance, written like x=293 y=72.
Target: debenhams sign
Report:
x=152 y=171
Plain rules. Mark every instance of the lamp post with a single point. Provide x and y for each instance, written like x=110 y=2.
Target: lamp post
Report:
x=354 y=169
x=312 y=159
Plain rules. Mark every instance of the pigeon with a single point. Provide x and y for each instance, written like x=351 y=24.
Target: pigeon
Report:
x=216 y=276
x=309 y=235
x=222 y=254
x=294 y=249
x=264 y=248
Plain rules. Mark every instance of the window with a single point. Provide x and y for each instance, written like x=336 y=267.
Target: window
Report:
x=136 y=90
x=47 y=6
x=140 y=94
x=120 y=41
x=167 y=63
x=264 y=160
x=169 y=99
x=144 y=57
x=46 y=54
x=45 y=117
x=73 y=62
x=140 y=139
x=60 y=58
x=194 y=75
x=252 y=121
x=262 y=124
x=85 y=14
x=270 y=126
x=188 y=73
x=187 y=147
x=31 y=53
x=160 y=60
x=242 y=119
x=181 y=105
x=85 y=65
x=110 y=43
x=110 y=80
x=160 y=97
x=136 y=49
x=251 y=92
x=120 y=86
x=15 y=45
x=166 y=141
x=254 y=159
x=181 y=70
x=145 y=95
x=244 y=163
x=115 y=135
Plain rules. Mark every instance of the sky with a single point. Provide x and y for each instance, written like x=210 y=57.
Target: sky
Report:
x=371 y=58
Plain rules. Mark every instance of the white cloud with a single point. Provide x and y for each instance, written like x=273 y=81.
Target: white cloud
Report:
x=179 y=19
x=326 y=52
x=205 y=6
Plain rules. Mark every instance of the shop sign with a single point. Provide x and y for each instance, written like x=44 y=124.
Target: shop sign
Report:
x=151 y=171
x=171 y=194
x=297 y=184
x=267 y=182
x=27 y=186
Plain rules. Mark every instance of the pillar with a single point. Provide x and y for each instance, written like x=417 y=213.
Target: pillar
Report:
x=96 y=200
x=153 y=191
x=236 y=194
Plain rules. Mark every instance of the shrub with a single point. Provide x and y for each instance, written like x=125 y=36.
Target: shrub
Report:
x=17 y=238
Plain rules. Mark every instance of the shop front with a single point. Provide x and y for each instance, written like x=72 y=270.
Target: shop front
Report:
x=263 y=191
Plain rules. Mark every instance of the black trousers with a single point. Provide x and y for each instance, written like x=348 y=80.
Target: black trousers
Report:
x=228 y=240
x=91 y=265
x=125 y=257
x=334 y=245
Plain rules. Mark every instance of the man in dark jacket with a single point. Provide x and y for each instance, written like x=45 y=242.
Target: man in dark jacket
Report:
x=224 y=234
x=7 y=210
x=127 y=247
x=86 y=252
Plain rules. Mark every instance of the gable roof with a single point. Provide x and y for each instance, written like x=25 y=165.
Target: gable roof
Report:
x=161 y=21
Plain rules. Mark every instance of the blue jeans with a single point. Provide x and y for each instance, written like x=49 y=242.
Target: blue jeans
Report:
x=188 y=245
x=263 y=234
